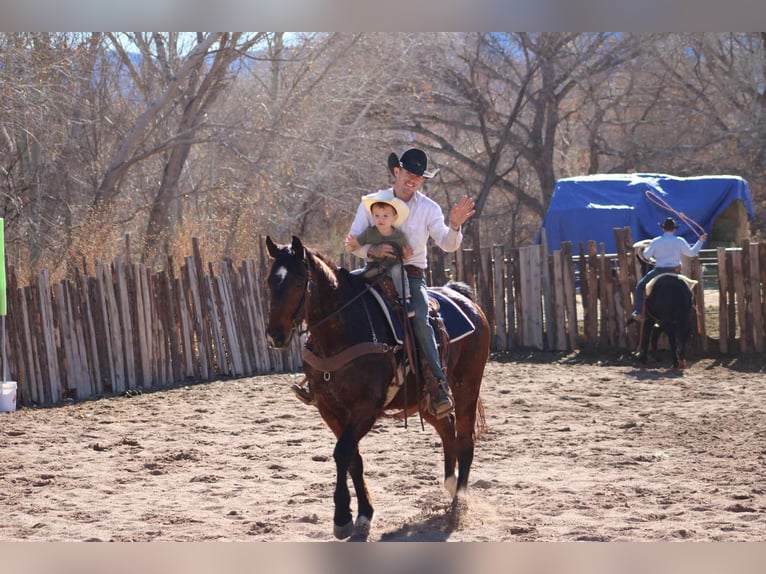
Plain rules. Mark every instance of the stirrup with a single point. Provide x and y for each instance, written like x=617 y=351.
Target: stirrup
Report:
x=304 y=394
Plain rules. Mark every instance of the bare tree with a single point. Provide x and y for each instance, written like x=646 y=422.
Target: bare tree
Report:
x=498 y=105
x=45 y=140
x=188 y=91
x=227 y=136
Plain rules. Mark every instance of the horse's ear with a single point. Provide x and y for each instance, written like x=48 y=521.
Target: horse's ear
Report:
x=298 y=247
x=271 y=247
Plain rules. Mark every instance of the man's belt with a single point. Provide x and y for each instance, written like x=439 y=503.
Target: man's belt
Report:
x=413 y=271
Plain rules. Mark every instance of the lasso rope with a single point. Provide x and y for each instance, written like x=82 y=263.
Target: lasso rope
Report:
x=696 y=228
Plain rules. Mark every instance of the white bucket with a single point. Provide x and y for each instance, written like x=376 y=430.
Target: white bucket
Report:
x=8 y=396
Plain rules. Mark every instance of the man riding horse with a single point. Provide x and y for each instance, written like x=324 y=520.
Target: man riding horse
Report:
x=666 y=250
x=425 y=220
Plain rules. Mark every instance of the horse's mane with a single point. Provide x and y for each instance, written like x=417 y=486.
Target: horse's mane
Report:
x=323 y=264
x=319 y=255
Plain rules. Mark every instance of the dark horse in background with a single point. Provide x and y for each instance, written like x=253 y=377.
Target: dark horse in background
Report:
x=355 y=368
x=667 y=308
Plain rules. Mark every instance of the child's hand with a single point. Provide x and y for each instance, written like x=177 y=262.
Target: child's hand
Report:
x=351 y=243
x=408 y=251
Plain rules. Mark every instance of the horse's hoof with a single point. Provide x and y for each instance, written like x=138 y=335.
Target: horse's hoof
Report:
x=343 y=532
x=681 y=365
x=450 y=485
x=362 y=528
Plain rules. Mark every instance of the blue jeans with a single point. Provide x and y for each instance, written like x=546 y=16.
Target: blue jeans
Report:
x=424 y=334
x=638 y=304
x=395 y=272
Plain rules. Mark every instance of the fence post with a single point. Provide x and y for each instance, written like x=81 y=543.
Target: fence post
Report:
x=500 y=336
x=570 y=294
x=531 y=297
x=762 y=269
x=737 y=283
x=557 y=321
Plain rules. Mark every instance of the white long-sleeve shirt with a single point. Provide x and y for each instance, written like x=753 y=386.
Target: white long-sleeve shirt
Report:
x=668 y=248
x=425 y=220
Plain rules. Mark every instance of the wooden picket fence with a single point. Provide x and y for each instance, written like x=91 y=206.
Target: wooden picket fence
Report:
x=125 y=327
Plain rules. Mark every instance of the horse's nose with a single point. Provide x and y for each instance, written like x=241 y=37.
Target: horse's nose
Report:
x=277 y=339
x=274 y=343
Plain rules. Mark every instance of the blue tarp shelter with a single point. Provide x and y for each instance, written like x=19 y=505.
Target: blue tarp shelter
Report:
x=589 y=208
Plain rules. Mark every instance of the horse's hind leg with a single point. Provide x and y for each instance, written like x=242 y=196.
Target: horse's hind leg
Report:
x=645 y=338
x=457 y=445
x=446 y=429
x=465 y=437
x=655 y=342
x=673 y=339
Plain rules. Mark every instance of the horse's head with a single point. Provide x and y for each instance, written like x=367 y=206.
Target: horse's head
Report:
x=287 y=282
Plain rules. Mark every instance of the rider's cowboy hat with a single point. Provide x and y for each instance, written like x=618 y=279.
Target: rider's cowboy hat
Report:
x=669 y=224
x=387 y=196
x=413 y=160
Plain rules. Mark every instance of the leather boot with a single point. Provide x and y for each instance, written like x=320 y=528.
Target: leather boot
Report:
x=634 y=318
x=441 y=403
x=305 y=394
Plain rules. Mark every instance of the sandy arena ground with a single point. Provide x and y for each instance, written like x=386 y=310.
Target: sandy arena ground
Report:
x=576 y=450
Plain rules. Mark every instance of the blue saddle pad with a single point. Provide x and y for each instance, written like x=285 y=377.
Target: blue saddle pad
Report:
x=456 y=322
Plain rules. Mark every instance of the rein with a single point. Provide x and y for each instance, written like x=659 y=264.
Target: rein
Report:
x=302 y=305
x=323 y=319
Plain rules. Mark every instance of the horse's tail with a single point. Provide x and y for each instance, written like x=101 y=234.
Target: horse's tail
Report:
x=481 y=420
x=480 y=426
x=463 y=288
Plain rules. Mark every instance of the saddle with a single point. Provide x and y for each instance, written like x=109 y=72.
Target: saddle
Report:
x=688 y=281
x=446 y=318
x=387 y=297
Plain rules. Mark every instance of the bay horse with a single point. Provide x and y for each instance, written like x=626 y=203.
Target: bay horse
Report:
x=354 y=366
x=667 y=308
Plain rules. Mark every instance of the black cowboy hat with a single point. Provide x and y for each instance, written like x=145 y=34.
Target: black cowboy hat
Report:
x=669 y=224
x=413 y=160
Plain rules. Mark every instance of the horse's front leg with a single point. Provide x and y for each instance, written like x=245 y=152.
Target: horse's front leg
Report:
x=348 y=461
x=343 y=525
x=364 y=503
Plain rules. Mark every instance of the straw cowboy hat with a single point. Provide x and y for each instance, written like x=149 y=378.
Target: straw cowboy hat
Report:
x=387 y=196
x=413 y=160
